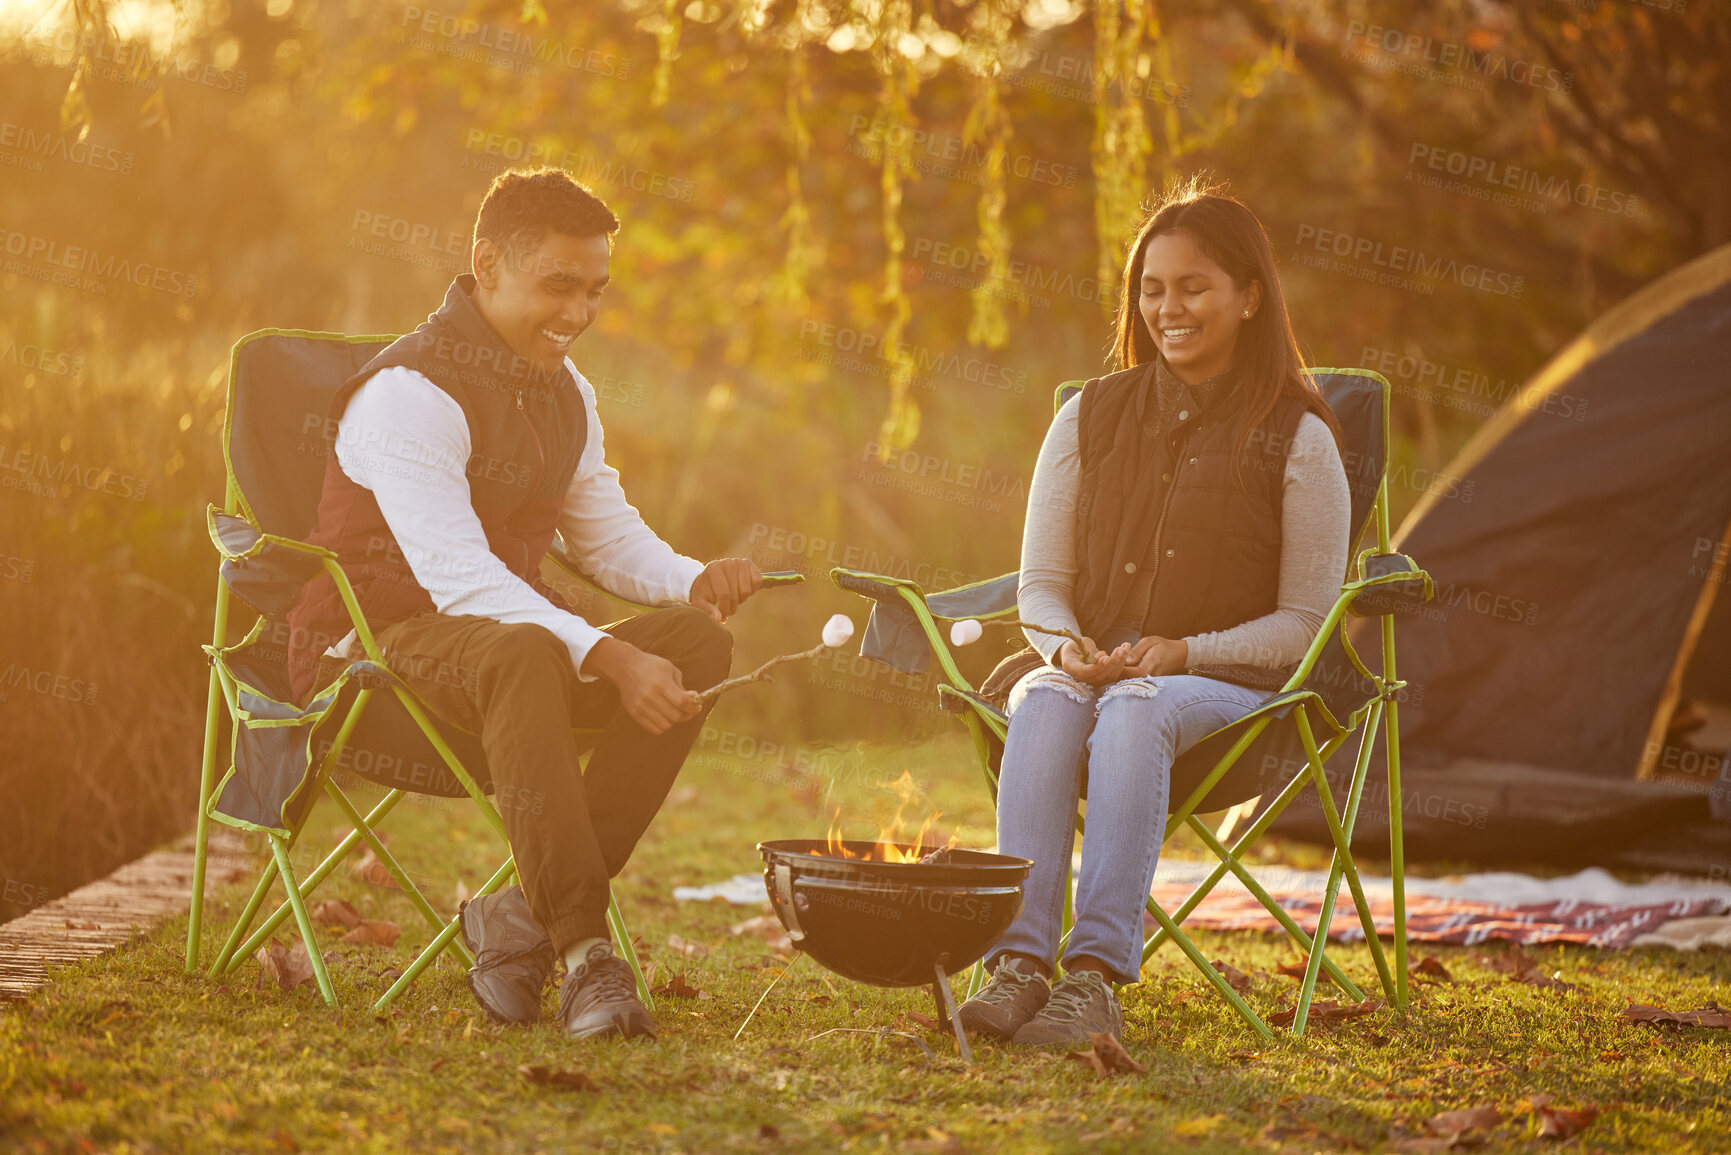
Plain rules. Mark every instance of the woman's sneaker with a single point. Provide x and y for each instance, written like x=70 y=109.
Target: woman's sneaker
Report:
x=1016 y=992
x=1082 y=1004
x=600 y=998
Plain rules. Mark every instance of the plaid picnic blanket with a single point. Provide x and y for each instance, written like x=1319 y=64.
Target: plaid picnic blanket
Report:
x=1433 y=917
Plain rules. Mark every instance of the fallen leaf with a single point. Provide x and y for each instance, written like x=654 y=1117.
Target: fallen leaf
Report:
x=1235 y=978
x=1198 y=1127
x=373 y=932
x=1559 y=1123
x=920 y=1020
x=1107 y=1056
x=1325 y=1011
x=686 y=946
x=1430 y=968
x=768 y=1131
x=1536 y=977
x=1295 y=970
x=821 y=1000
x=676 y=987
x=1511 y=962
x=340 y=911
x=768 y=928
x=1523 y=968
x=1458 y=1123
x=287 y=966
x=1706 y=1017
x=936 y=1140
x=548 y=1077
x=368 y=868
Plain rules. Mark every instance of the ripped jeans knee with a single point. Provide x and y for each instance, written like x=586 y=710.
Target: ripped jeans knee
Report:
x=1129 y=688
x=1053 y=679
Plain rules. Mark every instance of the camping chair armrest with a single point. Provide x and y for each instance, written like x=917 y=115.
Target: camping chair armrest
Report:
x=1388 y=583
x=1409 y=586
x=237 y=539
x=267 y=570
x=903 y=630
x=561 y=557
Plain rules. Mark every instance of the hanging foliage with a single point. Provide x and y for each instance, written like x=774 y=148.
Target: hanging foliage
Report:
x=896 y=124
x=1121 y=141
x=989 y=124
x=666 y=48
x=802 y=250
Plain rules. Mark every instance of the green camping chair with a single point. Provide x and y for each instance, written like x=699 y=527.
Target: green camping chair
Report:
x=284 y=755
x=1331 y=696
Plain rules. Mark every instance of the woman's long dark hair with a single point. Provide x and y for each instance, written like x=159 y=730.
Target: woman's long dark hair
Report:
x=1266 y=359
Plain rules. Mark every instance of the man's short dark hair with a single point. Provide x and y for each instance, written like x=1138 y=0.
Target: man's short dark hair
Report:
x=523 y=205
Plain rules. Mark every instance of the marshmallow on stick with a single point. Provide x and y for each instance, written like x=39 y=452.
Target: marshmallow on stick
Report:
x=836 y=633
x=966 y=631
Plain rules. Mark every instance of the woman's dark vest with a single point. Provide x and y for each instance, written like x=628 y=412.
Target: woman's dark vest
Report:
x=527 y=429
x=1168 y=501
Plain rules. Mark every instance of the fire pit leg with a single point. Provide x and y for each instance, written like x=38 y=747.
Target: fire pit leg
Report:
x=947 y=1011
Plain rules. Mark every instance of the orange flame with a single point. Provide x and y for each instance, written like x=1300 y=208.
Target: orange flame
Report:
x=890 y=834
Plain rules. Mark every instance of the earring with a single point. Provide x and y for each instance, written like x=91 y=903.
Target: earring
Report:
x=1247 y=314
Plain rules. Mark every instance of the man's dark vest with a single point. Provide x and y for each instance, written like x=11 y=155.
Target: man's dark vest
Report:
x=527 y=429
x=1168 y=499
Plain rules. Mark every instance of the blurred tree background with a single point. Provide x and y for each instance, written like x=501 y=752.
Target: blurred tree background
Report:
x=863 y=240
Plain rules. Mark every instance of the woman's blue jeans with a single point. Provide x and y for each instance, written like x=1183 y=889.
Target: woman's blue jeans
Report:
x=1131 y=732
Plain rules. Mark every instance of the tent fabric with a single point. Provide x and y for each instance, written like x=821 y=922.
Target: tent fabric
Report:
x=1575 y=543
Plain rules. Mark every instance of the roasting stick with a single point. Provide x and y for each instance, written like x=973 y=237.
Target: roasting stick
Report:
x=836 y=632
x=960 y=635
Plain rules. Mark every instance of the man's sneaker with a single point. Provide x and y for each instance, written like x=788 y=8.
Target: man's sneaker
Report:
x=513 y=955
x=1082 y=1003
x=600 y=998
x=1014 y=994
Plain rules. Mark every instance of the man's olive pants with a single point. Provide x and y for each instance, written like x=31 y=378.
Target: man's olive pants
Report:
x=516 y=687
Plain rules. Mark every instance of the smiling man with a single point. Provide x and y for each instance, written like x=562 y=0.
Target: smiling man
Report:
x=459 y=450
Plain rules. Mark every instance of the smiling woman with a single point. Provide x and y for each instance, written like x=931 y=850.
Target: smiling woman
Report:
x=1190 y=511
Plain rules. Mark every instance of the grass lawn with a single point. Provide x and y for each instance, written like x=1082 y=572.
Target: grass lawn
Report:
x=125 y=1053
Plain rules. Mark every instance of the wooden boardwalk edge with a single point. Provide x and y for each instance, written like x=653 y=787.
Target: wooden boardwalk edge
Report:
x=106 y=914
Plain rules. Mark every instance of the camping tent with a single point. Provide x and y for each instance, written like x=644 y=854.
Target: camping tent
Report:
x=1577 y=543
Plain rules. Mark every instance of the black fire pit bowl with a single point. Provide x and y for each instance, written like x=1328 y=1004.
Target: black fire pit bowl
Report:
x=891 y=924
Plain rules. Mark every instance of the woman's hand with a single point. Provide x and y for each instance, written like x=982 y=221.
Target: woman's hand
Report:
x=1153 y=656
x=1103 y=669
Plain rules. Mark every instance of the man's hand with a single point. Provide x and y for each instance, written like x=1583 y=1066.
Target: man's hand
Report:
x=1154 y=656
x=650 y=687
x=724 y=584
x=1103 y=669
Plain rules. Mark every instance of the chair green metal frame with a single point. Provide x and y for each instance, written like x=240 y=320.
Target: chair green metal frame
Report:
x=224 y=692
x=1306 y=710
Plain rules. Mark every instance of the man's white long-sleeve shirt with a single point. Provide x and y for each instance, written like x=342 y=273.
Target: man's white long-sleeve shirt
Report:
x=407 y=441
